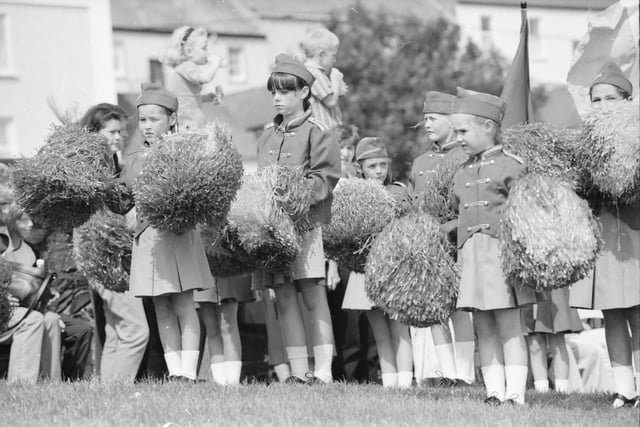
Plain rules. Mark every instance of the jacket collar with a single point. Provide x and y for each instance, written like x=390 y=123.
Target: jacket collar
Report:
x=280 y=126
x=491 y=152
x=447 y=146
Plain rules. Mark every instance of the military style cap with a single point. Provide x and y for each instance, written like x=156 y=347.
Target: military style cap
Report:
x=479 y=104
x=611 y=74
x=289 y=65
x=153 y=93
x=371 y=148
x=438 y=102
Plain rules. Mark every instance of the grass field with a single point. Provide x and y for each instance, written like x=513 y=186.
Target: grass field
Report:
x=180 y=404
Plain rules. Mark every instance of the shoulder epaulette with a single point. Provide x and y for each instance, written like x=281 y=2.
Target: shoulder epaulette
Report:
x=514 y=157
x=269 y=125
x=317 y=123
x=399 y=184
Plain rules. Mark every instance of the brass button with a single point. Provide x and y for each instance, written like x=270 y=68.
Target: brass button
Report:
x=492 y=162
x=468 y=229
x=466 y=205
x=420 y=173
x=467 y=184
x=485 y=203
x=488 y=180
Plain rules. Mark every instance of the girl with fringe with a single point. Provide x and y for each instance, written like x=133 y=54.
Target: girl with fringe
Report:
x=455 y=361
x=296 y=138
x=167 y=267
x=614 y=287
x=393 y=339
x=481 y=187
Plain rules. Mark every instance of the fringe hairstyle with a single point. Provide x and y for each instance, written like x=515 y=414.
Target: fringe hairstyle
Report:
x=286 y=82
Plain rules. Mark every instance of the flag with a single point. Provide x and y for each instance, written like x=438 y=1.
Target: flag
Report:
x=612 y=36
x=517 y=90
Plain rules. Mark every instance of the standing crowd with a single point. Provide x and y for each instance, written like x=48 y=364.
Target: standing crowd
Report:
x=508 y=332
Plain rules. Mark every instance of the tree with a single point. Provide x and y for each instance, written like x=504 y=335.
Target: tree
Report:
x=390 y=61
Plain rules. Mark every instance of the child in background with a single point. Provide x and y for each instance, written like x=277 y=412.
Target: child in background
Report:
x=320 y=46
x=480 y=190
x=455 y=361
x=167 y=267
x=393 y=339
x=614 y=287
x=192 y=67
x=296 y=138
x=221 y=323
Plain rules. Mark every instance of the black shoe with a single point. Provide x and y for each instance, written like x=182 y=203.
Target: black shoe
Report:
x=447 y=382
x=493 y=401
x=620 y=401
x=313 y=380
x=294 y=380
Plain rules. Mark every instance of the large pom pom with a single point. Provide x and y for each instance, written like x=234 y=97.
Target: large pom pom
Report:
x=189 y=179
x=549 y=237
x=6 y=311
x=66 y=181
x=225 y=253
x=410 y=273
x=360 y=210
x=102 y=250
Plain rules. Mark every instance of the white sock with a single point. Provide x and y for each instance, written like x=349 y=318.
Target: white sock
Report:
x=446 y=360
x=494 y=380
x=189 y=364
x=323 y=356
x=389 y=379
x=218 y=373
x=299 y=361
x=562 y=386
x=542 y=386
x=173 y=361
x=516 y=376
x=233 y=369
x=465 y=369
x=282 y=371
x=638 y=383
x=405 y=379
x=623 y=380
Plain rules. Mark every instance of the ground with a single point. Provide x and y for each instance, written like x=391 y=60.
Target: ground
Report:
x=90 y=403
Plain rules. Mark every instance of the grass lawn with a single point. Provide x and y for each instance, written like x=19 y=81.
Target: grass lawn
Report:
x=179 y=404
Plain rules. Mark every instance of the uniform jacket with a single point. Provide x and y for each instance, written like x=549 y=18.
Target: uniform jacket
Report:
x=304 y=142
x=481 y=187
x=427 y=163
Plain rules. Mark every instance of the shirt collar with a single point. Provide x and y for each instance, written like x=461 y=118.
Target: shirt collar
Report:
x=280 y=126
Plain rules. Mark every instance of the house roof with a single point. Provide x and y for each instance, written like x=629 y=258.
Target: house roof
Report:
x=216 y=16
x=552 y=4
x=320 y=10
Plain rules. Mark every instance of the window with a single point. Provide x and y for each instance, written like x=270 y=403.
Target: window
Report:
x=156 y=73
x=485 y=26
x=6 y=63
x=535 y=40
x=237 y=65
x=6 y=140
x=119 y=62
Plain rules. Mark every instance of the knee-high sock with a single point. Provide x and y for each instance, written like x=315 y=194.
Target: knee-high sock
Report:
x=174 y=362
x=323 y=356
x=298 y=360
x=623 y=381
x=233 y=369
x=494 y=380
x=465 y=353
x=516 y=376
x=189 y=363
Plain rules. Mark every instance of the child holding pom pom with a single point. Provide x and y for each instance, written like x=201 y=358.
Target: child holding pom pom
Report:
x=192 y=67
x=481 y=188
x=393 y=340
x=167 y=266
x=455 y=362
x=295 y=138
x=614 y=287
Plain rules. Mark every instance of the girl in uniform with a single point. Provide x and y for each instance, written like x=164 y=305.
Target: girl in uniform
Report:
x=393 y=339
x=614 y=287
x=481 y=187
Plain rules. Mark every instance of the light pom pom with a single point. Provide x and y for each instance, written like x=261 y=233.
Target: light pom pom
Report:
x=264 y=230
x=66 y=181
x=6 y=311
x=410 y=273
x=549 y=237
x=189 y=179
x=102 y=250
x=545 y=150
x=225 y=253
x=360 y=210
x=609 y=150
x=435 y=199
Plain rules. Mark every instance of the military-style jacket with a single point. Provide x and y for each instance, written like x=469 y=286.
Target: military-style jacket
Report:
x=305 y=142
x=481 y=187
x=427 y=163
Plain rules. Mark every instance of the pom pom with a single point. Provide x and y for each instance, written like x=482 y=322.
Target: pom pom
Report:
x=410 y=273
x=549 y=237
x=545 y=150
x=189 y=179
x=225 y=253
x=64 y=183
x=59 y=255
x=6 y=272
x=102 y=250
x=6 y=311
x=609 y=150
x=264 y=230
x=435 y=199
x=361 y=208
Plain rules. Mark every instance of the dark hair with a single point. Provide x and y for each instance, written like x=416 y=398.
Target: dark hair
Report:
x=623 y=93
x=97 y=116
x=286 y=81
x=347 y=135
